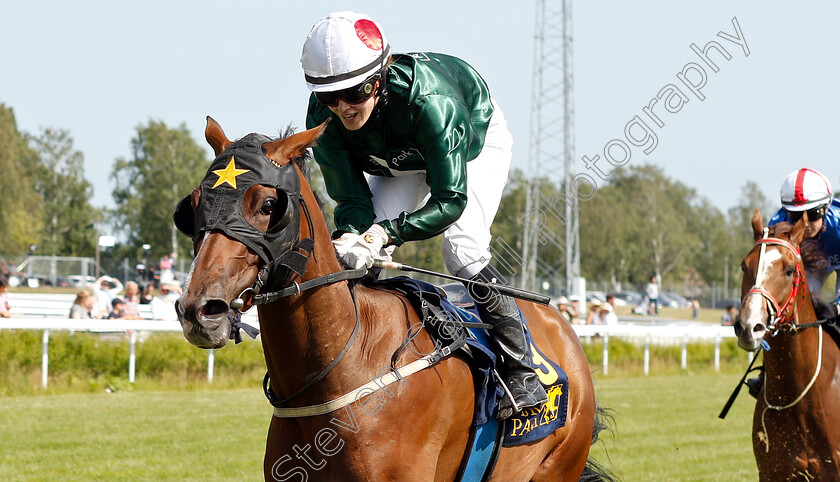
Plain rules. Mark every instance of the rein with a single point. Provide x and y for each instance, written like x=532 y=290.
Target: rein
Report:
x=779 y=408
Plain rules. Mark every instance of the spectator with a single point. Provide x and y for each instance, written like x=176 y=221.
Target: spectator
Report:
x=594 y=316
x=563 y=306
x=5 y=309
x=83 y=305
x=695 y=308
x=167 y=263
x=147 y=295
x=608 y=316
x=652 y=291
x=105 y=289
x=574 y=310
x=728 y=318
x=132 y=300
x=118 y=310
x=163 y=306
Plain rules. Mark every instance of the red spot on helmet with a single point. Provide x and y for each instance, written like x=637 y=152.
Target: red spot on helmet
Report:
x=368 y=33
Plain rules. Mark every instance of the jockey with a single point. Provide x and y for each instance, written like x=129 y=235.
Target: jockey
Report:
x=416 y=147
x=807 y=193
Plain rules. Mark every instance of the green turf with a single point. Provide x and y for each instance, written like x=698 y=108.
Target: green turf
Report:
x=666 y=428
x=202 y=435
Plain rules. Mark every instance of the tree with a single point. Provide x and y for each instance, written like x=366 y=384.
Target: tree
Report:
x=166 y=165
x=638 y=224
x=20 y=217
x=68 y=217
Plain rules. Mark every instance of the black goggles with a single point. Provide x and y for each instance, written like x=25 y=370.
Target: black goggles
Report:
x=351 y=95
x=814 y=214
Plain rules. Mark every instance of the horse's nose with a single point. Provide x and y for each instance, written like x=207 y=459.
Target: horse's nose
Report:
x=738 y=329
x=209 y=310
x=214 y=307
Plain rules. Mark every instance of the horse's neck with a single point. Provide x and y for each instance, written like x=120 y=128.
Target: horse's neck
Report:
x=793 y=358
x=303 y=335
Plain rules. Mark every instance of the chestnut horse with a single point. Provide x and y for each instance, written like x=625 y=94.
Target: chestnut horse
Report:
x=414 y=430
x=796 y=425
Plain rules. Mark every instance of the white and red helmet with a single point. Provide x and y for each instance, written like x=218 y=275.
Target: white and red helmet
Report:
x=805 y=189
x=343 y=50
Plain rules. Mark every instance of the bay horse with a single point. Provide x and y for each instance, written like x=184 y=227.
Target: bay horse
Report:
x=796 y=423
x=336 y=337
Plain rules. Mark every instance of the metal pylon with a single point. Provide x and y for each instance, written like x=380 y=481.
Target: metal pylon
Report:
x=551 y=163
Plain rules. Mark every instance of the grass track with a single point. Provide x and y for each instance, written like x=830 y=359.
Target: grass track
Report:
x=666 y=428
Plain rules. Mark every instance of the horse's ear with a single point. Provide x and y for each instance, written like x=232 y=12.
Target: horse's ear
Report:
x=758 y=228
x=281 y=151
x=216 y=136
x=797 y=234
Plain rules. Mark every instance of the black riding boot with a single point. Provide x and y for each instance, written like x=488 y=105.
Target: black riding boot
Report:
x=511 y=347
x=755 y=384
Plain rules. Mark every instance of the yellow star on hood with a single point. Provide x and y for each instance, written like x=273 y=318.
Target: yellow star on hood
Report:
x=228 y=174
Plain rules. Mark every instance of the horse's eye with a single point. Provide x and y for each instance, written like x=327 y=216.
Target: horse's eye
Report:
x=743 y=266
x=268 y=207
x=789 y=271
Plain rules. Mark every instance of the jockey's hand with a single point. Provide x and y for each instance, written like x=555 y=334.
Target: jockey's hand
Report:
x=826 y=310
x=366 y=248
x=343 y=243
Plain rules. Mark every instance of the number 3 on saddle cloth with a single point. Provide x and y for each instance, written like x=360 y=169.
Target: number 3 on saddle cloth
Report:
x=527 y=426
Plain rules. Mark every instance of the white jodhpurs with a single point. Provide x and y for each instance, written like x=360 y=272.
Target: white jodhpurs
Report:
x=466 y=243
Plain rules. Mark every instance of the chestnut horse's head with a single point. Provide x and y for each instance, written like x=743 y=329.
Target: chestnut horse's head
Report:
x=773 y=280
x=244 y=217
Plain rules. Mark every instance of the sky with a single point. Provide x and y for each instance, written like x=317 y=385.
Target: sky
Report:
x=101 y=68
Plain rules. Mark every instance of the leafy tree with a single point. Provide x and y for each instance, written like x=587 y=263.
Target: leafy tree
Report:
x=68 y=217
x=638 y=224
x=166 y=165
x=20 y=217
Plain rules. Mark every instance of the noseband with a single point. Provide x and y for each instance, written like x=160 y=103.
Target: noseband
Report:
x=777 y=314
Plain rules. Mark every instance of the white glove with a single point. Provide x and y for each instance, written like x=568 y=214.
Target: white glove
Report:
x=366 y=248
x=343 y=243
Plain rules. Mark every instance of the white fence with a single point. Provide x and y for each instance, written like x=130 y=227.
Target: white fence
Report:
x=49 y=312
x=653 y=331
x=662 y=332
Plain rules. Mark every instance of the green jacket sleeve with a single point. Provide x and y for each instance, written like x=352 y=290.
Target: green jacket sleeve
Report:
x=443 y=133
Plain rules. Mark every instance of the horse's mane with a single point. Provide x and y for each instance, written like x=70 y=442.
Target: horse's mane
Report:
x=813 y=256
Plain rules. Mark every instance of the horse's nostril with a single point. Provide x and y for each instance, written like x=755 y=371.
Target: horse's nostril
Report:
x=214 y=307
x=758 y=327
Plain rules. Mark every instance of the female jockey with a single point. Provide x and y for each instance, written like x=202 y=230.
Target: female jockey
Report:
x=807 y=193
x=436 y=151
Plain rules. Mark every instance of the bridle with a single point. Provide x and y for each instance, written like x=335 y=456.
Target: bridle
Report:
x=776 y=314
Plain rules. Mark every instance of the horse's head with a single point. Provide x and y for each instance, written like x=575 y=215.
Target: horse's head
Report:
x=773 y=279
x=243 y=218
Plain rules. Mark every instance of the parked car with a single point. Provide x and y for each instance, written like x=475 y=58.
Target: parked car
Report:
x=80 y=281
x=628 y=298
x=673 y=300
x=722 y=304
x=595 y=295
